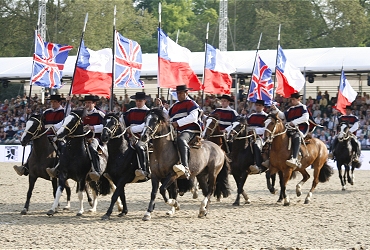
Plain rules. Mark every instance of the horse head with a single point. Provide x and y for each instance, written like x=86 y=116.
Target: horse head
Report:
x=211 y=125
x=238 y=127
x=155 y=121
x=344 y=131
x=34 y=126
x=273 y=127
x=113 y=127
x=73 y=123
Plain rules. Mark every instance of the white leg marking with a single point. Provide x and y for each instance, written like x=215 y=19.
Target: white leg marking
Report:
x=95 y=202
x=81 y=199
x=203 y=204
x=56 y=200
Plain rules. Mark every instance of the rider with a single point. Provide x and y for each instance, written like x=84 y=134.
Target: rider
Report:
x=297 y=118
x=92 y=121
x=52 y=119
x=184 y=117
x=256 y=122
x=354 y=125
x=134 y=120
x=226 y=114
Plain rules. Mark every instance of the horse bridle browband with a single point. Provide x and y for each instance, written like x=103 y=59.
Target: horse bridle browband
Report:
x=35 y=134
x=117 y=124
x=272 y=133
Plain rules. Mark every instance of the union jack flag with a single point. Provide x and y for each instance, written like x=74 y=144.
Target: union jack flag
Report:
x=261 y=86
x=49 y=59
x=128 y=63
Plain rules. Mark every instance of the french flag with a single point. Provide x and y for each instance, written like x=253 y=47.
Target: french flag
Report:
x=346 y=94
x=217 y=72
x=290 y=79
x=174 y=67
x=93 y=73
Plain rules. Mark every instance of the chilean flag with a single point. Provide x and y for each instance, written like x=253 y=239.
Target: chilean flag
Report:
x=290 y=79
x=346 y=94
x=174 y=68
x=93 y=73
x=217 y=72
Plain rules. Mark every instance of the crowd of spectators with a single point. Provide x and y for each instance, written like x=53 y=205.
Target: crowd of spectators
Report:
x=14 y=112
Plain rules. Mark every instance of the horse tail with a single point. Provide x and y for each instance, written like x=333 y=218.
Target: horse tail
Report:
x=104 y=186
x=222 y=180
x=325 y=172
x=185 y=185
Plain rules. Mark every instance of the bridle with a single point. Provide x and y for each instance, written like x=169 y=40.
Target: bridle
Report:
x=75 y=126
x=35 y=134
x=346 y=135
x=117 y=124
x=215 y=122
x=235 y=134
x=272 y=133
x=154 y=131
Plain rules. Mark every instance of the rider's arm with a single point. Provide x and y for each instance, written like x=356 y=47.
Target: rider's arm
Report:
x=191 y=118
x=354 y=127
x=137 y=128
x=304 y=118
x=58 y=125
x=98 y=128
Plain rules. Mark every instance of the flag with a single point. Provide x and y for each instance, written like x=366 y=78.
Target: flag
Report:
x=93 y=73
x=128 y=63
x=48 y=63
x=261 y=86
x=217 y=72
x=346 y=94
x=174 y=68
x=290 y=79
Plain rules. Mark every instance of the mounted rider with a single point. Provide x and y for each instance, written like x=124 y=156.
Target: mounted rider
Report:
x=226 y=115
x=134 y=121
x=184 y=117
x=296 y=117
x=92 y=122
x=256 y=124
x=52 y=119
x=353 y=124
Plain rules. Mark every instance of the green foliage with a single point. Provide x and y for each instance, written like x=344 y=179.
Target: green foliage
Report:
x=11 y=91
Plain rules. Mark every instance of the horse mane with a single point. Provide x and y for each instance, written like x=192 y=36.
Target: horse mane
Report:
x=36 y=115
x=214 y=115
x=112 y=114
x=273 y=116
x=163 y=117
x=80 y=112
x=241 y=120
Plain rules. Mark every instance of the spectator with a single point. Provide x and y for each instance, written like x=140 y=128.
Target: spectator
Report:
x=9 y=134
x=316 y=111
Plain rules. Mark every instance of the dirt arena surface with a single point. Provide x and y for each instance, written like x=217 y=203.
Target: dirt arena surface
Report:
x=334 y=219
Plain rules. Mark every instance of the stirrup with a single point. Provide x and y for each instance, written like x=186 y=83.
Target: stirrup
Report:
x=52 y=172
x=19 y=169
x=254 y=169
x=94 y=176
x=266 y=164
x=140 y=174
x=292 y=162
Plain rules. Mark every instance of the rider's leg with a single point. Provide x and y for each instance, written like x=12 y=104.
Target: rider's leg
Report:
x=53 y=172
x=183 y=147
x=23 y=169
x=332 y=148
x=143 y=160
x=296 y=141
x=356 y=149
x=257 y=158
x=96 y=171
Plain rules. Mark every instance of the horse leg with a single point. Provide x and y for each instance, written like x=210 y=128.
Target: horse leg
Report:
x=203 y=210
x=306 y=176
x=118 y=192
x=270 y=180
x=342 y=181
x=155 y=186
x=68 y=192
x=315 y=181
x=58 y=194
x=172 y=192
x=281 y=181
x=80 y=190
x=240 y=186
x=171 y=202
x=194 y=189
x=349 y=177
x=31 y=185
x=95 y=201
x=353 y=175
x=119 y=200
x=89 y=200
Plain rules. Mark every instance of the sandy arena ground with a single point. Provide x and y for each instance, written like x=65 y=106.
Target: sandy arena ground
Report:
x=334 y=219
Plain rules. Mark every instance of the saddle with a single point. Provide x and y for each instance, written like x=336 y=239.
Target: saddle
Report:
x=196 y=142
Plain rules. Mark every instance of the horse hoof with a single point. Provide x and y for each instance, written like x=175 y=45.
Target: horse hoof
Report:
x=306 y=201
x=105 y=217
x=352 y=183
x=79 y=214
x=147 y=217
x=236 y=203
x=24 y=212
x=66 y=209
x=286 y=203
x=299 y=193
x=50 y=212
x=195 y=196
x=218 y=199
x=202 y=214
x=181 y=193
x=91 y=211
x=272 y=191
x=122 y=214
x=279 y=200
x=343 y=188
x=247 y=202
x=91 y=203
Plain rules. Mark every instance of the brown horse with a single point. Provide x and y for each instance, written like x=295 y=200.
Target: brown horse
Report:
x=315 y=153
x=205 y=163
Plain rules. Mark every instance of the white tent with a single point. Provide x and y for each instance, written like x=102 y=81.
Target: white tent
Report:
x=317 y=60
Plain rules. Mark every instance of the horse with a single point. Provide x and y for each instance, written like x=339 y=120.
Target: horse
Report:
x=242 y=158
x=343 y=155
x=42 y=156
x=74 y=160
x=314 y=153
x=121 y=163
x=205 y=162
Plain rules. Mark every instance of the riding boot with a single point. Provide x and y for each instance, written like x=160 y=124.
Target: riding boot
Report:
x=332 y=149
x=258 y=158
x=21 y=170
x=142 y=172
x=53 y=172
x=96 y=171
x=294 y=162
x=183 y=169
x=355 y=151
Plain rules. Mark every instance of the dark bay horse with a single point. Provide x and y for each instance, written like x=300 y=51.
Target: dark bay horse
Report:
x=205 y=163
x=242 y=157
x=343 y=156
x=42 y=156
x=74 y=160
x=316 y=154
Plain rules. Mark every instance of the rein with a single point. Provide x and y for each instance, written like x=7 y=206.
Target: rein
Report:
x=114 y=130
x=272 y=133
x=153 y=136
x=73 y=129
x=35 y=134
x=214 y=128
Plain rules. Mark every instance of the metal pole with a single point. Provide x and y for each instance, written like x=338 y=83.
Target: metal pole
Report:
x=205 y=63
x=113 y=60
x=277 y=53
x=159 y=45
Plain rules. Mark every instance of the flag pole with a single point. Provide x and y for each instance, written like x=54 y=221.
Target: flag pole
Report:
x=277 y=53
x=205 y=63
x=254 y=65
x=33 y=66
x=177 y=40
x=159 y=45
x=78 y=55
x=113 y=60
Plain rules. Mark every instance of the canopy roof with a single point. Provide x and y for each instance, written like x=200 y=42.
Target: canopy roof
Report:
x=316 y=60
